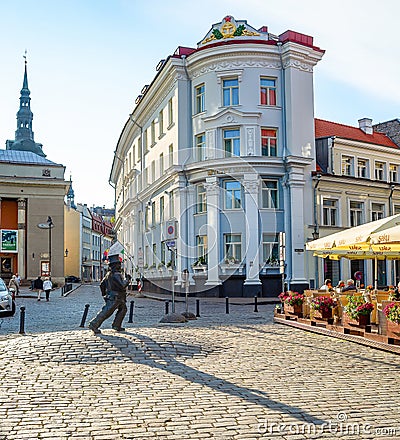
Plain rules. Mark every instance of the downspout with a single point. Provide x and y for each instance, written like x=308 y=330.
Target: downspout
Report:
x=392 y=188
x=393 y=262
x=189 y=100
x=315 y=233
x=288 y=237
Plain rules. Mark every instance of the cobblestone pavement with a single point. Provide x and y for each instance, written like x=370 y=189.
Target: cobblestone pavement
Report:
x=236 y=376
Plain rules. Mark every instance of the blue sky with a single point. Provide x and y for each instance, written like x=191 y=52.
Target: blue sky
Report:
x=89 y=59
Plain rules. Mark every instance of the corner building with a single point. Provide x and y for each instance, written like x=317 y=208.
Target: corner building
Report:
x=215 y=162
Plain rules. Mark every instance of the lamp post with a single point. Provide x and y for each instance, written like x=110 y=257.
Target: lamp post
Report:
x=51 y=224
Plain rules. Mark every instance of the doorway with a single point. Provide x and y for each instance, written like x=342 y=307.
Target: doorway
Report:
x=6 y=267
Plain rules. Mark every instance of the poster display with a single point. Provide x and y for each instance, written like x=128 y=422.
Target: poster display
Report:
x=9 y=240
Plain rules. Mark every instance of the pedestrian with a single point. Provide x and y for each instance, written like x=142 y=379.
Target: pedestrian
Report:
x=350 y=287
x=38 y=286
x=13 y=285
x=47 y=286
x=18 y=279
x=327 y=285
x=113 y=288
x=340 y=286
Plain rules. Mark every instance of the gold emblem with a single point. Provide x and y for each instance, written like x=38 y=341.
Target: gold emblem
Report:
x=229 y=30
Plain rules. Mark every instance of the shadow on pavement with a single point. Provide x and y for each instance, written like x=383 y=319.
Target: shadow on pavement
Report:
x=145 y=350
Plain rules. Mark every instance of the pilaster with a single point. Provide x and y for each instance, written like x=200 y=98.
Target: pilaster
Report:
x=21 y=237
x=213 y=230
x=296 y=183
x=252 y=283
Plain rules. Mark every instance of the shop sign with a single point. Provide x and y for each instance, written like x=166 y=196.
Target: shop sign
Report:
x=9 y=240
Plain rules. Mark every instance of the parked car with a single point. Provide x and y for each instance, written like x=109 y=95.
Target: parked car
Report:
x=7 y=303
x=72 y=279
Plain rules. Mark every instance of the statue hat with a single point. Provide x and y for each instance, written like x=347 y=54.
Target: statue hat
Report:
x=112 y=259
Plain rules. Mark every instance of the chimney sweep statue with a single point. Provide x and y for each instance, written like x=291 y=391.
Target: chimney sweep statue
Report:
x=113 y=288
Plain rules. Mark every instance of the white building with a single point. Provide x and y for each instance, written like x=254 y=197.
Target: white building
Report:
x=216 y=159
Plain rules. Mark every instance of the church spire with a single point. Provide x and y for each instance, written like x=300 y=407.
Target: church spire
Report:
x=71 y=195
x=24 y=114
x=24 y=137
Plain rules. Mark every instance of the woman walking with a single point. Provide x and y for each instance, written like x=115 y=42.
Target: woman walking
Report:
x=47 y=286
x=13 y=285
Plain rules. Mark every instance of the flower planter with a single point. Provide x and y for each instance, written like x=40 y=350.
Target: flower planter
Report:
x=294 y=310
x=362 y=321
x=323 y=315
x=393 y=330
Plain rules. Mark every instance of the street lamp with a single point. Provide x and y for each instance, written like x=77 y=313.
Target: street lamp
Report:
x=66 y=253
x=51 y=224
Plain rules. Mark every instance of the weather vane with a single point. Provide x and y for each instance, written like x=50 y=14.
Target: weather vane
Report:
x=25 y=56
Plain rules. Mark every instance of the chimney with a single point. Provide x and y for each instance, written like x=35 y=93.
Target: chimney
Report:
x=365 y=124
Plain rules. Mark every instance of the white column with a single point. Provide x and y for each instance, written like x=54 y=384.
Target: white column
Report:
x=181 y=242
x=191 y=240
x=295 y=246
x=213 y=194
x=21 y=237
x=211 y=136
x=251 y=187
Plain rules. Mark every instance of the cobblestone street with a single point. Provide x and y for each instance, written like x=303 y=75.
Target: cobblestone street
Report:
x=236 y=376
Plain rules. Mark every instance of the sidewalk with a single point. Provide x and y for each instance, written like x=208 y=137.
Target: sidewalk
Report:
x=26 y=292
x=232 y=300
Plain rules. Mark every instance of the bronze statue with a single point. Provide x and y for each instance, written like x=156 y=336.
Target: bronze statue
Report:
x=113 y=288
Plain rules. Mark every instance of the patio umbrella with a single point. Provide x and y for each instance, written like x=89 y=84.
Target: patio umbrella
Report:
x=357 y=238
x=366 y=241
x=389 y=236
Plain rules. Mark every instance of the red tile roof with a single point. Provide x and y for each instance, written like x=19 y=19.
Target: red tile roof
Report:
x=327 y=128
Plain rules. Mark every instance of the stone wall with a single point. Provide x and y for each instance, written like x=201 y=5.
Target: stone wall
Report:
x=391 y=129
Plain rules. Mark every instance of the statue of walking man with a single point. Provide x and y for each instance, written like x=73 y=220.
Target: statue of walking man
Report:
x=113 y=288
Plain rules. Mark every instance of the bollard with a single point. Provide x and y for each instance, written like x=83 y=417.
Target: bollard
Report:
x=255 y=304
x=166 y=307
x=197 y=308
x=227 y=304
x=22 y=321
x=130 y=320
x=85 y=313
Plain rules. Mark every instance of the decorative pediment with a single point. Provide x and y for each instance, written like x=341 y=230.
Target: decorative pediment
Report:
x=232 y=116
x=230 y=28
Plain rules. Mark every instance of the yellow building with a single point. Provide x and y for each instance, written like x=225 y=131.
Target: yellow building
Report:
x=73 y=239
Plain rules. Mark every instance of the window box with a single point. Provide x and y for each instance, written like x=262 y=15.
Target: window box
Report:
x=231 y=267
x=199 y=268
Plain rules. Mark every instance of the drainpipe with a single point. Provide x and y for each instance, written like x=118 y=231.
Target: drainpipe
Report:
x=183 y=57
x=315 y=233
x=287 y=227
x=393 y=263
x=392 y=188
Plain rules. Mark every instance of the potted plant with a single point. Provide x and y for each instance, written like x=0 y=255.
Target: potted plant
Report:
x=357 y=311
x=392 y=313
x=161 y=266
x=200 y=265
x=323 y=306
x=292 y=302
